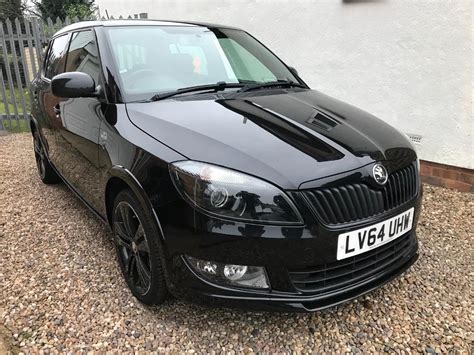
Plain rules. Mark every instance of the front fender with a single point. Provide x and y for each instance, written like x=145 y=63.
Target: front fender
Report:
x=123 y=174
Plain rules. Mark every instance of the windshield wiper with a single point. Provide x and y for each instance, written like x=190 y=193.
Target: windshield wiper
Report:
x=269 y=84
x=220 y=86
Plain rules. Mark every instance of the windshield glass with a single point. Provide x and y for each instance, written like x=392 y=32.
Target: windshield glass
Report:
x=157 y=59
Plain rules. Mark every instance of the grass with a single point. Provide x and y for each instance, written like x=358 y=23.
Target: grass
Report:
x=17 y=95
x=2 y=108
x=13 y=125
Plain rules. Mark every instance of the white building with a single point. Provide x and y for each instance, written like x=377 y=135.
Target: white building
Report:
x=408 y=62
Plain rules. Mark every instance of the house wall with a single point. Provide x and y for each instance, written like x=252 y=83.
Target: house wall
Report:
x=408 y=62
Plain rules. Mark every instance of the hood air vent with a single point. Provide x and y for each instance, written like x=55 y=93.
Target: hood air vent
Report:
x=324 y=122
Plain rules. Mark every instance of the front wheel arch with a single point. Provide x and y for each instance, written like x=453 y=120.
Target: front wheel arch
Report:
x=120 y=179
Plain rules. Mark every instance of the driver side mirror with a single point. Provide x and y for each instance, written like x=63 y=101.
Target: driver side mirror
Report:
x=73 y=84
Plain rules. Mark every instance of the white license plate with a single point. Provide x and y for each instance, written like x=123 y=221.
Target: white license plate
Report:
x=361 y=240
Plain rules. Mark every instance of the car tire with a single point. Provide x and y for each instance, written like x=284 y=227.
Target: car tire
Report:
x=139 y=249
x=46 y=172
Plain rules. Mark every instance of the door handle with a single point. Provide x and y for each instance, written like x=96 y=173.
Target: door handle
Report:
x=57 y=110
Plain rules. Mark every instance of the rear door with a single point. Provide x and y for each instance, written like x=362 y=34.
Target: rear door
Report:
x=45 y=105
x=78 y=131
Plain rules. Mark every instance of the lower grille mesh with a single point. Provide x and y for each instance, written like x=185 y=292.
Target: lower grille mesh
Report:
x=337 y=275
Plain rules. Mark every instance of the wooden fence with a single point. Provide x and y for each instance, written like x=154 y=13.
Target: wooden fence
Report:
x=22 y=45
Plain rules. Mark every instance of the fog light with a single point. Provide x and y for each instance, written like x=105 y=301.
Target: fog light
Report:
x=234 y=272
x=230 y=274
x=207 y=267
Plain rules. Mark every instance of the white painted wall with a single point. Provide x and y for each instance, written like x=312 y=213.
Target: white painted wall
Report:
x=408 y=62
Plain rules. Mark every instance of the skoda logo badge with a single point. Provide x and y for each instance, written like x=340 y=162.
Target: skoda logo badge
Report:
x=380 y=174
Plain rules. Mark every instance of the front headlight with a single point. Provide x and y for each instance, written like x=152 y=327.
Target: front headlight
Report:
x=230 y=194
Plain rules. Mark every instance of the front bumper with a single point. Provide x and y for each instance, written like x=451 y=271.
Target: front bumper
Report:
x=279 y=249
x=207 y=295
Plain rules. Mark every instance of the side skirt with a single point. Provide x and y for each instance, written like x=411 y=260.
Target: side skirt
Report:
x=78 y=194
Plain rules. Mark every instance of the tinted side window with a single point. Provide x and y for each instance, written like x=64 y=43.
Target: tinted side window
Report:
x=83 y=55
x=56 y=56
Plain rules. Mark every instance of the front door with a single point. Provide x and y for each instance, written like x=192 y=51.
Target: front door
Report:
x=78 y=133
x=45 y=103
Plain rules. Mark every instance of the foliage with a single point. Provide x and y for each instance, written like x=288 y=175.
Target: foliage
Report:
x=15 y=126
x=11 y=9
x=17 y=98
x=84 y=9
x=12 y=124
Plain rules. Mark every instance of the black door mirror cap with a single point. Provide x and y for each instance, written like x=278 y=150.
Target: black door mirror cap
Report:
x=74 y=84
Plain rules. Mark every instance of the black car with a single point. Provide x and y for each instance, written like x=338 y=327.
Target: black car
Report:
x=224 y=178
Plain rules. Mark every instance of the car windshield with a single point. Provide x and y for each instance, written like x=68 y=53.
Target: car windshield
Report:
x=157 y=59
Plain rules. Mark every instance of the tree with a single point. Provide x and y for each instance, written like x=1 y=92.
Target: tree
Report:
x=11 y=9
x=84 y=9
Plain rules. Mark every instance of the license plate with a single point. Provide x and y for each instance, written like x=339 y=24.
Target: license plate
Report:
x=361 y=240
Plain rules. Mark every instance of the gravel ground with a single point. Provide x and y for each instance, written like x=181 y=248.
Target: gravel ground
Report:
x=60 y=287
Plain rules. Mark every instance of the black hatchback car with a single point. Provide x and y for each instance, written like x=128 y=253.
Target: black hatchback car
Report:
x=224 y=178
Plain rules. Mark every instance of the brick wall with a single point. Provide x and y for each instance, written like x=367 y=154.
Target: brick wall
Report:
x=447 y=176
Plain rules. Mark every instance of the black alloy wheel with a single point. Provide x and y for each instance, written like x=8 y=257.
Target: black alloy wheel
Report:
x=138 y=249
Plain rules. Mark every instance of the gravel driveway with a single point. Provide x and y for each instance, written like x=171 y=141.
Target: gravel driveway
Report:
x=60 y=286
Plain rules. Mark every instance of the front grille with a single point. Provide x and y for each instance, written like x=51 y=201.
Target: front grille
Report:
x=352 y=202
x=346 y=272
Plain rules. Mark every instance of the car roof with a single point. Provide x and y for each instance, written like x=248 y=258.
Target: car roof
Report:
x=135 y=22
